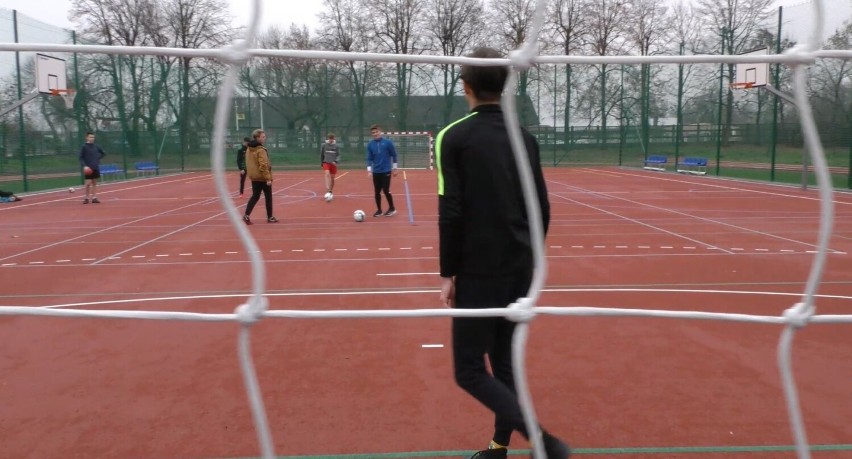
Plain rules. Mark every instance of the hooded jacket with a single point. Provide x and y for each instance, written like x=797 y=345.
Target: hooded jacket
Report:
x=258 y=167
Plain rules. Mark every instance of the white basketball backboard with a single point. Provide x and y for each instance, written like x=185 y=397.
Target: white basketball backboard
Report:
x=50 y=73
x=756 y=74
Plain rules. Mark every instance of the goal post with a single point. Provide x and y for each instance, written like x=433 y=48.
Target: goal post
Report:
x=414 y=150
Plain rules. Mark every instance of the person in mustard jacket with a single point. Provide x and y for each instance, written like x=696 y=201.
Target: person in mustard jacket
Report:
x=259 y=171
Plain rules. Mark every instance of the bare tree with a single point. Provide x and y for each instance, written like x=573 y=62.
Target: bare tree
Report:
x=455 y=26
x=733 y=23
x=512 y=20
x=606 y=20
x=569 y=28
x=398 y=26
x=194 y=24
x=831 y=87
x=650 y=25
x=120 y=23
x=346 y=30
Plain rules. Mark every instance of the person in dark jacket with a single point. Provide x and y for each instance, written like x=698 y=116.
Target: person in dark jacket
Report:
x=241 y=164
x=381 y=164
x=90 y=159
x=486 y=257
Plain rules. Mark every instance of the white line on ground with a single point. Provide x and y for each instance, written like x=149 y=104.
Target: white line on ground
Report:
x=431 y=345
x=407 y=274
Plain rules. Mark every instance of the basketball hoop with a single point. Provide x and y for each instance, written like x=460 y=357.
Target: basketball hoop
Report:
x=747 y=85
x=68 y=96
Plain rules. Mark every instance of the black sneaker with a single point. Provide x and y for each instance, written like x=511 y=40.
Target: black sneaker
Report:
x=378 y=213
x=496 y=453
x=95 y=201
x=86 y=201
x=390 y=213
x=247 y=219
x=271 y=220
x=554 y=447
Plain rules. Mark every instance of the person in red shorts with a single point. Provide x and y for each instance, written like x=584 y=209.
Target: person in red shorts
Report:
x=329 y=156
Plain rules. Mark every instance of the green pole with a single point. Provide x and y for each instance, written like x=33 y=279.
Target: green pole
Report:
x=21 y=133
x=679 y=125
x=621 y=120
x=719 y=115
x=77 y=116
x=776 y=81
x=555 y=93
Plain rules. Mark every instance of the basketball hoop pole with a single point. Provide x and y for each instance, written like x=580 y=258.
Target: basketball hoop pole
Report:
x=19 y=102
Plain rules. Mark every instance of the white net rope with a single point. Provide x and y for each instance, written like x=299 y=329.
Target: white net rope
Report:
x=526 y=309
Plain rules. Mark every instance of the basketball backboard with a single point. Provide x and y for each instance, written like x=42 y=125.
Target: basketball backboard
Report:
x=50 y=73
x=753 y=74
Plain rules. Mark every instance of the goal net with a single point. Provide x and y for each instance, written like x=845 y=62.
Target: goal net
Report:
x=414 y=150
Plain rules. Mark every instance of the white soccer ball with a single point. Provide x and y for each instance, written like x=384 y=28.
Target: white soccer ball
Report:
x=71 y=190
x=328 y=197
x=359 y=215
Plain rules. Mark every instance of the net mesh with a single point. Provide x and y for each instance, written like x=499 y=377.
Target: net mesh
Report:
x=526 y=309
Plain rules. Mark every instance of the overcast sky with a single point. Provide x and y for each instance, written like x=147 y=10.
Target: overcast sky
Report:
x=275 y=12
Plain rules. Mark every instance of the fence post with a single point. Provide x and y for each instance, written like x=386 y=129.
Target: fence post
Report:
x=21 y=134
x=777 y=84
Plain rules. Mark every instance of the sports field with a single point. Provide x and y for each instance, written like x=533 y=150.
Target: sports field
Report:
x=621 y=387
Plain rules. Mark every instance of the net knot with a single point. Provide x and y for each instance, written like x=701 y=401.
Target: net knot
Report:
x=236 y=53
x=251 y=312
x=522 y=58
x=799 y=315
x=522 y=310
x=800 y=54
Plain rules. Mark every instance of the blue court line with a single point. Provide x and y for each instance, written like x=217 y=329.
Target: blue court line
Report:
x=585 y=451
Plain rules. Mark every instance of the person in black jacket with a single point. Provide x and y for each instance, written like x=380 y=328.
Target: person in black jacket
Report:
x=90 y=160
x=241 y=164
x=486 y=258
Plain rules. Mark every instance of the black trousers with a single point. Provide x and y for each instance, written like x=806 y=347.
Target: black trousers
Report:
x=243 y=182
x=381 y=183
x=476 y=338
x=256 y=189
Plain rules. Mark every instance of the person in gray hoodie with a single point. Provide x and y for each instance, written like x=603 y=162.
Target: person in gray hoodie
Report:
x=90 y=159
x=329 y=156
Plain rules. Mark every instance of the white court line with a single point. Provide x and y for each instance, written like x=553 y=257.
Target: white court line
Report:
x=431 y=346
x=422 y=291
x=678 y=235
x=407 y=274
x=216 y=215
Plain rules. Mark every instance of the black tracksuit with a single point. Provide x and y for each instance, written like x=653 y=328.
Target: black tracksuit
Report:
x=485 y=244
x=241 y=165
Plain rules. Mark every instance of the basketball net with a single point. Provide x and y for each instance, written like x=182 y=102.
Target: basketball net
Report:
x=741 y=90
x=68 y=96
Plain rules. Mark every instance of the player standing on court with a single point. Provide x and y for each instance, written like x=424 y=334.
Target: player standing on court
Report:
x=90 y=159
x=486 y=258
x=329 y=156
x=381 y=163
x=259 y=171
x=241 y=164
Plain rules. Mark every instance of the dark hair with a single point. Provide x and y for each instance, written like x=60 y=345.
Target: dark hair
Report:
x=485 y=82
x=246 y=139
x=89 y=133
x=375 y=126
x=330 y=135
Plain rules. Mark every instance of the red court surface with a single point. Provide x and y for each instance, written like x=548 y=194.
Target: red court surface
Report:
x=357 y=388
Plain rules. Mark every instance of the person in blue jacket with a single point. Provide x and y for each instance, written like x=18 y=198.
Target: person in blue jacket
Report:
x=381 y=164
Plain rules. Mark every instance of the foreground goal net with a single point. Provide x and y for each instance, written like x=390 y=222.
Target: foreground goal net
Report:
x=415 y=151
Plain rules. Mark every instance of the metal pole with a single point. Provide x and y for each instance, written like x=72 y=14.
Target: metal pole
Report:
x=719 y=115
x=21 y=133
x=679 y=125
x=777 y=83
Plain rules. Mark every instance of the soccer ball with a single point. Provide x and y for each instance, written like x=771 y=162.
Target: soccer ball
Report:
x=359 y=215
x=71 y=190
x=328 y=197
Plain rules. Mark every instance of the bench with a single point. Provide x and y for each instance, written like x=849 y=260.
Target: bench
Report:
x=143 y=167
x=656 y=162
x=110 y=169
x=694 y=165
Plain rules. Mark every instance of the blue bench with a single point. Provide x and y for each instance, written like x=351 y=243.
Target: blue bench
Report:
x=110 y=169
x=692 y=165
x=656 y=162
x=143 y=167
